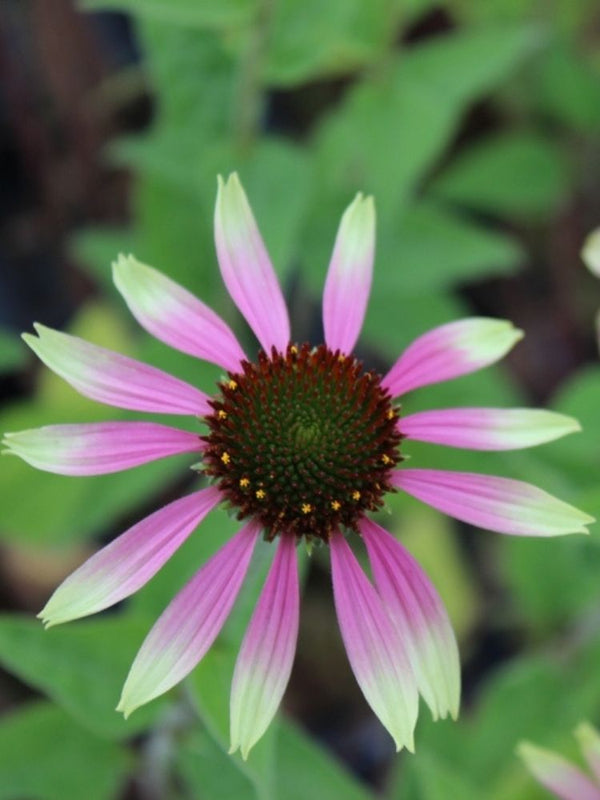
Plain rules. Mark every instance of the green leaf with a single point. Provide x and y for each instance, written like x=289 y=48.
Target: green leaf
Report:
x=194 y=79
x=569 y=568
x=390 y=129
x=578 y=397
x=13 y=352
x=429 y=249
x=433 y=779
x=44 y=755
x=210 y=684
x=304 y=769
x=209 y=772
x=188 y=13
x=508 y=174
x=565 y=86
x=309 y=39
x=464 y=65
x=81 y=666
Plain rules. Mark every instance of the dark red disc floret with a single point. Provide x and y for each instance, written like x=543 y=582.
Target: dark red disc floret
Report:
x=304 y=441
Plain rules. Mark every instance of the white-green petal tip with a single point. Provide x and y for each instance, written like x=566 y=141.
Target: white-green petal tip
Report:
x=30 y=339
x=125 y=709
x=591 y=252
x=123 y=261
x=587 y=733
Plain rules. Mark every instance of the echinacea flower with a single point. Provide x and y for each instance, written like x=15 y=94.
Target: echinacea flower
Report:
x=302 y=443
x=561 y=777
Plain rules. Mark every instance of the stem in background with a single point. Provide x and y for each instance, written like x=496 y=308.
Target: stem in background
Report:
x=250 y=100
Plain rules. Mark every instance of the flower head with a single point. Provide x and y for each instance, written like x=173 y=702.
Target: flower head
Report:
x=562 y=778
x=300 y=442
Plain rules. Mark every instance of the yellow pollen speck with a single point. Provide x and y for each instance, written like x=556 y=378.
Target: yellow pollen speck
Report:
x=391 y=413
x=232 y=385
x=222 y=414
x=225 y=458
x=294 y=350
x=356 y=495
x=341 y=358
x=260 y=494
x=244 y=483
x=336 y=505
x=386 y=459
x=306 y=508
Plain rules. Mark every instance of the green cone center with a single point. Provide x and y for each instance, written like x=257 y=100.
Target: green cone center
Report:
x=304 y=441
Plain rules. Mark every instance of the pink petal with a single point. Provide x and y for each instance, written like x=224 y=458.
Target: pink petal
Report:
x=420 y=618
x=557 y=774
x=98 y=447
x=190 y=623
x=374 y=649
x=450 y=351
x=172 y=314
x=265 y=661
x=115 y=379
x=497 y=504
x=246 y=267
x=127 y=563
x=487 y=428
x=349 y=277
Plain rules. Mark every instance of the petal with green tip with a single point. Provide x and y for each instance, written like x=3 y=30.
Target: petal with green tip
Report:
x=557 y=774
x=450 y=351
x=246 y=267
x=349 y=277
x=375 y=651
x=114 y=379
x=172 y=314
x=97 y=448
x=265 y=661
x=127 y=563
x=190 y=623
x=491 y=502
x=487 y=428
x=420 y=618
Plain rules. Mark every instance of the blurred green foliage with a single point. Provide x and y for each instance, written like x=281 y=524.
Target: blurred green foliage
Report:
x=445 y=215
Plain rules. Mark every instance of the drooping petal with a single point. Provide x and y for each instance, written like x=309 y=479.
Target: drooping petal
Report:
x=348 y=282
x=450 y=351
x=246 y=267
x=127 y=563
x=374 y=648
x=265 y=661
x=497 y=504
x=97 y=448
x=557 y=774
x=191 y=622
x=589 y=741
x=172 y=314
x=420 y=618
x=487 y=428
x=115 y=379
